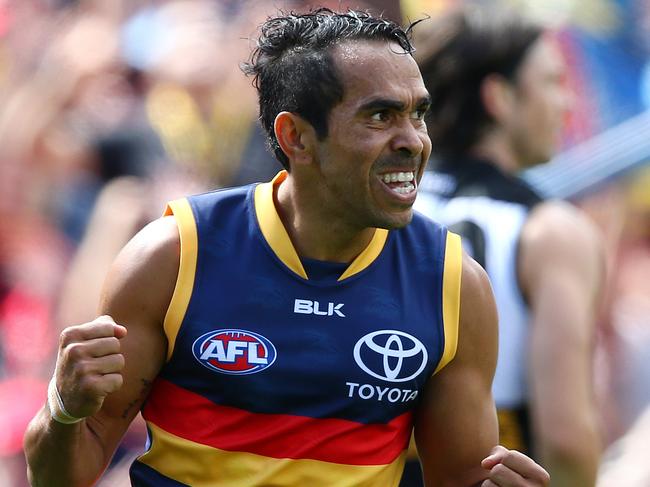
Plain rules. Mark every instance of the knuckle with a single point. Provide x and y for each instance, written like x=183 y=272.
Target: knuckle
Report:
x=67 y=336
x=74 y=351
x=499 y=469
x=509 y=456
x=104 y=319
x=114 y=343
x=121 y=362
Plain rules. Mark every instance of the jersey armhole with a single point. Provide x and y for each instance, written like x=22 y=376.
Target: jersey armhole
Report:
x=182 y=212
x=451 y=297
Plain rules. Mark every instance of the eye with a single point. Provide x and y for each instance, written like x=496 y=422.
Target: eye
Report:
x=420 y=113
x=380 y=116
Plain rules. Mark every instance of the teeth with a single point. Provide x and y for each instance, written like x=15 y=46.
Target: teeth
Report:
x=404 y=189
x=401 y=177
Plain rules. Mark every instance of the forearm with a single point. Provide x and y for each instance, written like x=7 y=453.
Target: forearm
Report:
x=563 y=407
x=566 y=433
x=572 y=459
x=65 y=455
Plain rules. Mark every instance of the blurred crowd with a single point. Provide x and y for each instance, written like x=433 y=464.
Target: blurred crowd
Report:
x=109 y=109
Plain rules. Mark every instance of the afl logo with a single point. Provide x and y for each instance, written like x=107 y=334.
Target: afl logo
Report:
x=234 y=352
x=390 y=355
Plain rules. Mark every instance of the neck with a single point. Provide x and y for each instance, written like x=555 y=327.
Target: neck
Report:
x=315 y=233
x=494 y=148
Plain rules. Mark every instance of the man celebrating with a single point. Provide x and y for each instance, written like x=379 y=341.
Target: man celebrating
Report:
x=294 y=332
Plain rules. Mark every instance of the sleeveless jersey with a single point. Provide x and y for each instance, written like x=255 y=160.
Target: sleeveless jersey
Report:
x=488 y=209
x=275 y=379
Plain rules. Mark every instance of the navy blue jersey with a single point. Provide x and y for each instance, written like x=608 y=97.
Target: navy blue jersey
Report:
x=274 y=378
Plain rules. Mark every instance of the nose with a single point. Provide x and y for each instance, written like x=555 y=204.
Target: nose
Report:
x=409 y=139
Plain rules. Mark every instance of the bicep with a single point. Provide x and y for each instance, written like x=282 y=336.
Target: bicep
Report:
x=562 y=274
x=561 y=270
x=561 y=261
x=456 y=421
x=136 y=294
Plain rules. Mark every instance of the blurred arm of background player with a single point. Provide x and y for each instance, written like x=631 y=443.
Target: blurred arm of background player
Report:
x=124 y=205
x=561 y=268
x=118 y=215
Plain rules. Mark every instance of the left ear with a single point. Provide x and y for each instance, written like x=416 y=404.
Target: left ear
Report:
x=497 y=96
x=295 y=136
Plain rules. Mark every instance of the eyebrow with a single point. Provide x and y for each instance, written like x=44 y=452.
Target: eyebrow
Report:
x=390 y=104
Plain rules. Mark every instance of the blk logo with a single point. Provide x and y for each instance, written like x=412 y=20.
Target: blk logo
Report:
x=234 y=352
x=307 y=307
x=390 y=355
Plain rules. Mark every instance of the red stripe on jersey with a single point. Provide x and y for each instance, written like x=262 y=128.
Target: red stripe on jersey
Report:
x=193 y=417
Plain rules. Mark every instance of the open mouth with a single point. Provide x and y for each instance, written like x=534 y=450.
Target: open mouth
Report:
x=402 y=183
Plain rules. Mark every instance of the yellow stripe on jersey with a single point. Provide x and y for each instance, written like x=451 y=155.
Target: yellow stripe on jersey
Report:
x=185 y=281
x=204 y=466
x=278 y=238
x=451 y=297
x=369 y=254
x=273 y=229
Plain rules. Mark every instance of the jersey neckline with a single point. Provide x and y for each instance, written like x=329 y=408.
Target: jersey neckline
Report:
x=276 y=235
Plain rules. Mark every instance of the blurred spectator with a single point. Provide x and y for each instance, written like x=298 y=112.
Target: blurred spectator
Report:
x=33 y=256
x=189 y=52
x=78 y=92
x=59 y=101
x=628 y=321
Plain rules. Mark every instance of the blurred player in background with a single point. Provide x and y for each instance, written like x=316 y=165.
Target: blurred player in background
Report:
x=498 y=105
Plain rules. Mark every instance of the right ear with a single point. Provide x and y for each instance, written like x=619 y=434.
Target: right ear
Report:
x=497 y=96
x=295 y=137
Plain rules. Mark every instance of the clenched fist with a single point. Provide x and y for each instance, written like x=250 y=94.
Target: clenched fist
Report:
x=512 y=468
x=89 y=365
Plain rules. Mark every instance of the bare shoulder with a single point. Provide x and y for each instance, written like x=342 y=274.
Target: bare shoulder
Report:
x=559 y=226
x=559 y=241
x=157 y=240
x=475 y=284
x=145 y=270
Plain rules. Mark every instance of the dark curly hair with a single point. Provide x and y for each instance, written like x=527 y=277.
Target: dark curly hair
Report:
x=455 y=55
x=293 y=69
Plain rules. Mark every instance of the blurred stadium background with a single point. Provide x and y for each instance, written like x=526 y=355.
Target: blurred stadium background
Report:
x=110 y=108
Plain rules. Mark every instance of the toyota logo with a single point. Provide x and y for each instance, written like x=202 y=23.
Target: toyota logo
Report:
x=390 y=355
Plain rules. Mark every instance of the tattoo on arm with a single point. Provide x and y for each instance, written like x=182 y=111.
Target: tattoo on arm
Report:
x=142 y=395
